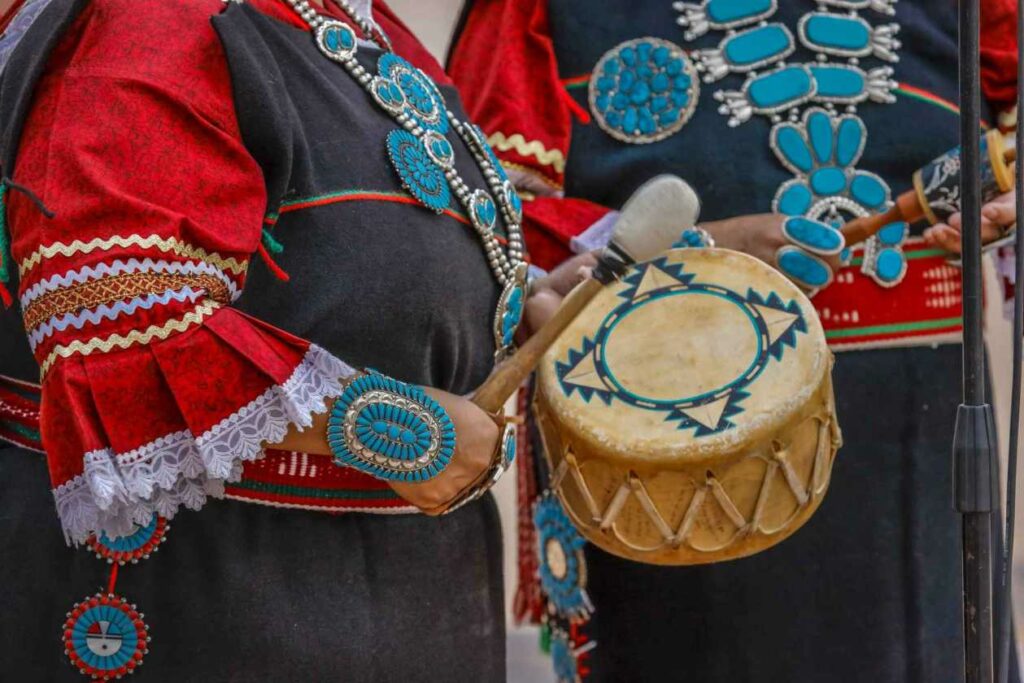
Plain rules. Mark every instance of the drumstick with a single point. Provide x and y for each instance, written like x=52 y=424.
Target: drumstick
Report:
x=912 y=205
x=651 y=221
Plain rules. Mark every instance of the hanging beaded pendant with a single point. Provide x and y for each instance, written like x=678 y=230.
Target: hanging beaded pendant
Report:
x=104 y=635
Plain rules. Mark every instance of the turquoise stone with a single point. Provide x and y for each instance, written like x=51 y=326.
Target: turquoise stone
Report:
x=812 y=234
x=889 y=265
x=848 y=141
x=848 y=34
x=795 y=200
x=868 y=191
x=828 y=181
x=485 y=211
x=893 y=234
x=780 y=88
x=757 y=45
x=791 y=144
x=804 y=268
x=339 y=39
x=819 y=130
x=837 y=82
x=730 y=11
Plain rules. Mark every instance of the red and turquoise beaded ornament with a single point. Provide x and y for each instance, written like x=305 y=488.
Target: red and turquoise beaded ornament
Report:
x=105 y=636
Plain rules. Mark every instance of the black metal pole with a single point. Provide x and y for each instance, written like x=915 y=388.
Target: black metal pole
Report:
x=1004 y=635
x=972 y=450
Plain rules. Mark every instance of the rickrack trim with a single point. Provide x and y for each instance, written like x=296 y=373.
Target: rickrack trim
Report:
x=524 y=148
x=165 y=244
x=117 y=491
x=123 y=341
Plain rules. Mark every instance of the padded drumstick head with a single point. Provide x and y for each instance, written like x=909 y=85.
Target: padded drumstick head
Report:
x=653 y=218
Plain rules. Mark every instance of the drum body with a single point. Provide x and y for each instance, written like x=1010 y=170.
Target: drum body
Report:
x=687 y=413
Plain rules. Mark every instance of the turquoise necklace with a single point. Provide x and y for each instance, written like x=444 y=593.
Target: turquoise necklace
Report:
x=424 y=159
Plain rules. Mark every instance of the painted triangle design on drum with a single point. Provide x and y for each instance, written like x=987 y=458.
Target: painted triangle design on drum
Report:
x=650 y=277
x=589 y=370
x=711 y=417
x=580 y=374
x=783 y=321
x=709 y=414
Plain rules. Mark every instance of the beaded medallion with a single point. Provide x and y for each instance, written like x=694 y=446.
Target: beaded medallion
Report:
x=105 y=637
x=137 y=546
x=563 y=576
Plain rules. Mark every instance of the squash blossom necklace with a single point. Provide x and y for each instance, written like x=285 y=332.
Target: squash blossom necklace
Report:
x=424 y=159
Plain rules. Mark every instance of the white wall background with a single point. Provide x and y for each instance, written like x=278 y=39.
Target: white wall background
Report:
x=433 y=21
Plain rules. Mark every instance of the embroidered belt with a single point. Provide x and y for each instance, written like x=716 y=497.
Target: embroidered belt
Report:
x=281 y=479
x=923 y=310
x=116 y=288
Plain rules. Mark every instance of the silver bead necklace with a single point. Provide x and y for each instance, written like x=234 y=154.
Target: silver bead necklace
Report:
x=424 y=158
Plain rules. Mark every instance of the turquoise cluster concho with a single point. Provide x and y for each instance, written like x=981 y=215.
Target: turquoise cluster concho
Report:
x=390 y=430
x=644 y=90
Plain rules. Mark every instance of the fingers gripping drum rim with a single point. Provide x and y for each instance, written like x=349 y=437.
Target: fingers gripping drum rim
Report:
x=687 y=414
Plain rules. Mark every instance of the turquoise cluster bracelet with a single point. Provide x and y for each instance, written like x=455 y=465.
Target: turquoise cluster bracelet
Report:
x=390 y=430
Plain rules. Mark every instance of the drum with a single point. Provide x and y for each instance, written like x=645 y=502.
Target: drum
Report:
x=687 y=414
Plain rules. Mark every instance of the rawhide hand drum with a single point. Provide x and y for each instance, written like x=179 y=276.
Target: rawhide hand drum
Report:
x=687 y=413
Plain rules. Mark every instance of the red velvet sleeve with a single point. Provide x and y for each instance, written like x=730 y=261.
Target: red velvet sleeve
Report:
x=504 y=65
x=155 y=389
x=999 y=52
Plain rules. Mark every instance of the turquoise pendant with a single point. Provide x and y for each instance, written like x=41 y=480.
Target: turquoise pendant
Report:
x=421 y=176
x=336 y=40
x=509 y=313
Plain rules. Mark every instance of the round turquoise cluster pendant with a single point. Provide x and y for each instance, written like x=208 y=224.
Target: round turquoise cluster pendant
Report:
x=105 y=637
x=644 y=90
x=390 y=430
x=421 y=176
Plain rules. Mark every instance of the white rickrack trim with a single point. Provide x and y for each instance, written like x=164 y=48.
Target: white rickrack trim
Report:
x=125 y=267
x=117 y=491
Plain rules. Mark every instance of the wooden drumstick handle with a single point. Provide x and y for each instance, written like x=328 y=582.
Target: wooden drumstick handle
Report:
x=907 y=208
x=496 y=389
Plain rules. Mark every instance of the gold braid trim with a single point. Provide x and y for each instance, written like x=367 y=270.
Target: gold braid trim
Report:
x=165 y=244
x=524 y=148
x=118 y=341
x=117 y=288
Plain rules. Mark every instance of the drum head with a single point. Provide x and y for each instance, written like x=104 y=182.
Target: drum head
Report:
x=694 y=354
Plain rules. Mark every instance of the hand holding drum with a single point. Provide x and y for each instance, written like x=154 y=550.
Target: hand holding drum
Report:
x=649 y=224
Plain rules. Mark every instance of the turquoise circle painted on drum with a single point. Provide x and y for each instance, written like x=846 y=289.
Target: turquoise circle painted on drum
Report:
x=760 y=357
